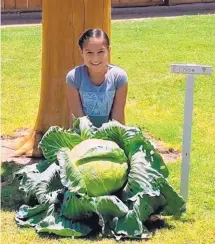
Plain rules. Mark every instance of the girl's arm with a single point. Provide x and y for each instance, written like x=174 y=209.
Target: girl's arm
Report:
x=74 y=102
x=118 y=110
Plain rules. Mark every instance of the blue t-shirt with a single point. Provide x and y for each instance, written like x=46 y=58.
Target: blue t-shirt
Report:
x=97 y=101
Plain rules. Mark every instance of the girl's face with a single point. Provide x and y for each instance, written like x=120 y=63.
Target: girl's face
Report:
x=95 y=54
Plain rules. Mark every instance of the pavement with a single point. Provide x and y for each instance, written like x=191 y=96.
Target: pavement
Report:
x=15 y=18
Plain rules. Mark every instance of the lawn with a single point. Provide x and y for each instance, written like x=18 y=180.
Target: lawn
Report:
x=145 y=49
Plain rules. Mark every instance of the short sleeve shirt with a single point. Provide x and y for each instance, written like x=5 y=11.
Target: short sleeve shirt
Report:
x=97 y=101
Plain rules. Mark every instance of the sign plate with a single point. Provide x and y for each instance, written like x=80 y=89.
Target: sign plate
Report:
x=194 y=69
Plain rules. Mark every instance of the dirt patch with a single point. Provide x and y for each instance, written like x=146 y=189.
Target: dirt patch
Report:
x=7 y=153
x=168 y=154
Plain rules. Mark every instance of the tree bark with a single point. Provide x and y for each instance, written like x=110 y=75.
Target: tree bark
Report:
x=63 y=22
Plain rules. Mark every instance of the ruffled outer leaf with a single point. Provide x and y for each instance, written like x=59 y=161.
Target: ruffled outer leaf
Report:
x=56 y=138
x=124 y=136
x=27 y=212
x=176 y=203
x=31 y=216
x=28 y=177
x=61 y=226
x=76 y=207
x=70 y=176
x=141 y=178
x=149 y=190
x=84 y=128
x=130 y=139
x=43 y=186
x=130 y=226
x=49 y=185
x=110 y=206
x=145 y=205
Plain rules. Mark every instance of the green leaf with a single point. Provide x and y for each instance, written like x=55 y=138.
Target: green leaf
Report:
x=131 y=139
x=30 y=216
x=26 y=211
x=61 y=226
x=153 y=188
x=42 y=165
x=130 y=226
x=145 y=205
x=56 y=138
x=84 y=128
x=49 y=185
x=78 y=207
x=28 y=177
x=31 y=221
x=153 y=156
x=157 y=163
x=175 y=203
x=110 y=205
x=43 y=186
x=75 y=206
x=142 y=178
x=124 y=136
x=70 y=175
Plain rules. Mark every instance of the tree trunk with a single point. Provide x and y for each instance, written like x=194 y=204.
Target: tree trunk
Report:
x=62 y=24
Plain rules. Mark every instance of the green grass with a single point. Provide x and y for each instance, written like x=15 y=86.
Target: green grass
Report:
x=21 y=65
x=145 y=50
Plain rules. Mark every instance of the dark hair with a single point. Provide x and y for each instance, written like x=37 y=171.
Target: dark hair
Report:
x=97 y=33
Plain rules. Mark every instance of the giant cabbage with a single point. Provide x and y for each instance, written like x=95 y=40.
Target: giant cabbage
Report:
x=108 y=180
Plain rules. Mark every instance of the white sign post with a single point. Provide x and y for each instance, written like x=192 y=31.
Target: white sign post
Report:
x=190 y=70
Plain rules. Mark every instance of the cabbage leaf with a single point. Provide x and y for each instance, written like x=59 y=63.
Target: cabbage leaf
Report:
x=106 y=180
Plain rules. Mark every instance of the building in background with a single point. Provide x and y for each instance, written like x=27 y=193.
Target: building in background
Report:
x=36 y=5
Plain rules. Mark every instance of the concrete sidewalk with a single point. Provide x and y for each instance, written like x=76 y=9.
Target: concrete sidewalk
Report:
x=120 y=13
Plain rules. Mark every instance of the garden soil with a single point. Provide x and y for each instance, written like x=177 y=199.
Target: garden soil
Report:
x=168 y=154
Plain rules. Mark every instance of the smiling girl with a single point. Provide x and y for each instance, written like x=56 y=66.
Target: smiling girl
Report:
x=96 y=88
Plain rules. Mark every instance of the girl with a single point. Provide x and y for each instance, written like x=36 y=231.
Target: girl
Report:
x=96 y=88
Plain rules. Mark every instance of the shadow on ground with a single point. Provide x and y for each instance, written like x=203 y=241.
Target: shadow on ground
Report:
x=11 y=197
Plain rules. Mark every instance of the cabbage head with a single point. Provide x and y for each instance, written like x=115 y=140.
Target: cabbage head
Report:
x=109 y=181
x=99 y=166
